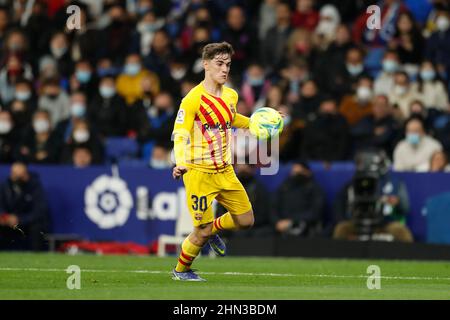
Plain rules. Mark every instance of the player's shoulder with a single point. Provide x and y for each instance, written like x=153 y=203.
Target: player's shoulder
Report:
x=194 y=94
x=230 y=92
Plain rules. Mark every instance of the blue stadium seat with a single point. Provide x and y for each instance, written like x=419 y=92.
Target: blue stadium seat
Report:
x=120 y=148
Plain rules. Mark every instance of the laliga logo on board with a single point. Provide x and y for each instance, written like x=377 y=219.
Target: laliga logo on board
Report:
x=108 y=202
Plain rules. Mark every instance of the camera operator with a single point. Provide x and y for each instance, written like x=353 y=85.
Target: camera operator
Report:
x=374 y=204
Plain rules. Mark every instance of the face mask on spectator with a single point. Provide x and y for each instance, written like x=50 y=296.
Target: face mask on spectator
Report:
x=132 y=69
x=107 y=92
x=400 y=90
x=390 y=66
x=5 y=127
x=159 y=164
x=22 y=95
x=81 y=135
x=41 y=125
x=58 y=52
x=427 y=74
x=413 y=138
x=78 y=110
x=364 y=93
x=355 y=69
x=442 y=23
x=177 y=74
x=255 y=81
x=83 y=76
x=287 y=120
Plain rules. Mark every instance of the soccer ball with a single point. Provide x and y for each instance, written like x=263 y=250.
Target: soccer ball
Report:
x=266 y=123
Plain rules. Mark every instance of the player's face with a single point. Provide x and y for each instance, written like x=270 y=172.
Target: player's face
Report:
x=218 y=68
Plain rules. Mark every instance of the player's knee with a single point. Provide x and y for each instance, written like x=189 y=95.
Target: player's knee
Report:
x=246 y=222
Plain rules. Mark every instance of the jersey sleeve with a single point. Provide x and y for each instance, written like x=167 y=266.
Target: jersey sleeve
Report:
x=239 y=120
x=182 y=129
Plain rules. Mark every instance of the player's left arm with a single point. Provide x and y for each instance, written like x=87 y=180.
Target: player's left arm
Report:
x=239 y=120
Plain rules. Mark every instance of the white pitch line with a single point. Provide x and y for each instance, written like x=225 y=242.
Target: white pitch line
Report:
x=231 y=273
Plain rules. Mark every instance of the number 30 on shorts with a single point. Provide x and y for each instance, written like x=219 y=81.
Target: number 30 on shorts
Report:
x=196 y=202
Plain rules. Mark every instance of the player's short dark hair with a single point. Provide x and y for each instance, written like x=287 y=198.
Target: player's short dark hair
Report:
x=213 y=49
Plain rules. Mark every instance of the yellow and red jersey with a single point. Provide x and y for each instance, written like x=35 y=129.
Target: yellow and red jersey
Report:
x=206 y=120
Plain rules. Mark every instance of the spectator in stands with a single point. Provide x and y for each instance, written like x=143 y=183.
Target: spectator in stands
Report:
x=326 y=136
x=267 y=17
x=129 y=83
x=8 y=137
x=385 y=79
x=24 y=92
x=107 y=109
x=432 y=91
x=60 y=52
x=115 y=38
x=437 y=48
x=23 y=204
x=81 y=135
x=359 y=105
x=160 y=158
x=343 y=78
x=55 y=101
x=238 y=33
x=21 y=116
x=16 y=44
x=329 y=20
x=81 y=157
x=154 y=123
x=333 y=55
x=39 y=145
x=142 y=37
x=402 y=94
x=379 y=129
x=274 y=44
x=12 y=71
x=84 y=79
x=309 y=101
x=305 y=16
x=415 y=151
x=298 y=203
x=293 y=77
x=275 y=97
x=408 y=41
x=161 y=53
x=299 y=46
x=392 y=203
x=255 y=86
x=439 y=162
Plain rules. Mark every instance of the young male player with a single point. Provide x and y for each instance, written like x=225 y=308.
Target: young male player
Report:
x=205 y=118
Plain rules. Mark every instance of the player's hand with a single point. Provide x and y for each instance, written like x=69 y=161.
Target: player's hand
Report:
x=178 y=172
x=282 y=114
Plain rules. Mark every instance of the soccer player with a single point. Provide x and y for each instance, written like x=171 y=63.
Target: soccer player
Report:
x=202 y=134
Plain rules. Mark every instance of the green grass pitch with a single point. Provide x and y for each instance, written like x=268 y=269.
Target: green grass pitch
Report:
x=43 y=276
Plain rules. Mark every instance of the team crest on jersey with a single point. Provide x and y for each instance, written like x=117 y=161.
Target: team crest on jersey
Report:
x=232 y=108
x=180 y=116
x=198 y=216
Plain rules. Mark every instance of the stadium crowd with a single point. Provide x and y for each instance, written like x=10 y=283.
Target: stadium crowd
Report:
x=343 y=86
